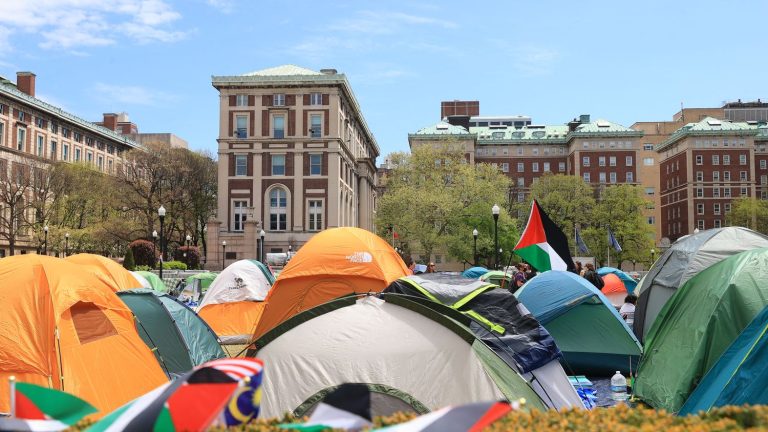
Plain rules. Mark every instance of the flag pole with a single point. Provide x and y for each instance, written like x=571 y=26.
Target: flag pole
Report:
x=575 y=241
x=12 y=386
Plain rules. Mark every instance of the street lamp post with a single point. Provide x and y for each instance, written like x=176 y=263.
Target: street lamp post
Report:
x=653 y=254
x=188 y=239
x=66 y=244
x=161 y=214
x=223 y=253
x=154 y=246
x=45 y=248
x=261 y=252
x=474 y=247
x=495 y=209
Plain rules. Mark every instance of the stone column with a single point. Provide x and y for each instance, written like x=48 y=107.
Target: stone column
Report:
x=249 y=238
x=213 y=252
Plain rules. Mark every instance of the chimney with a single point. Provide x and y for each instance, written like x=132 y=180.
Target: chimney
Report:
x=110 y=121
x=329 y=71
x=584 y=118
x=25 y=81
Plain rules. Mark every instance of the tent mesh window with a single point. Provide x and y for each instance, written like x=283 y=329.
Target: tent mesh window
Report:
x=90 y=322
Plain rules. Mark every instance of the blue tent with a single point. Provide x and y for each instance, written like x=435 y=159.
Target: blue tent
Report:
x=739 y=376
x=628 y=280
x=474 y=272
x=586 y=327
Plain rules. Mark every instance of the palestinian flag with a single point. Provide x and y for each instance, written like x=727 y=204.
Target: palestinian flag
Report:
x=346 y=408
x=43 y=409
x=464 y=418
x=543 y=244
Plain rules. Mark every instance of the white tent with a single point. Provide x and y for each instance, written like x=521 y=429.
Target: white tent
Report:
x=400 y=349
x=684 y=259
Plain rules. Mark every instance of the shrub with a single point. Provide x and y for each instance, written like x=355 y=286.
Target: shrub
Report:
x=192 y=258
x=174 y=265
x=128 y=262
x=144 y=252
x=142 y=268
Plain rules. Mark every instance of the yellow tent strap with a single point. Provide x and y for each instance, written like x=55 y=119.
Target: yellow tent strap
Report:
x=58 y=352
x=493 y=326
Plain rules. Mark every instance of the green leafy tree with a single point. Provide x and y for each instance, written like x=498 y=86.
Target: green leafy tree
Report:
x=128 y=262
x=749 y=212
x=434 y=199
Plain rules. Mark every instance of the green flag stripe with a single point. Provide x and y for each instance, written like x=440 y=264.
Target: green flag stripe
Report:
x=537 y=257
x=56 y=404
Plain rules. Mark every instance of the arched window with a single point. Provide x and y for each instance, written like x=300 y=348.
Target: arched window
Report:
x=278 y=204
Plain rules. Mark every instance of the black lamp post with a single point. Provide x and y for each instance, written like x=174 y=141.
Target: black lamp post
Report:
x=45 y=248
x=154 y=246
x=66 y=244
x=161 y=213
x=223 y=253
x=474 y=247
x=188 y=239
x=495 y=210
x=653 y=256
x=261 y=252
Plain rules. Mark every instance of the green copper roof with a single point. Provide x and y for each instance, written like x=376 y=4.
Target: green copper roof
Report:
x=762 y=133
x=603 y=127
x=549 y=133
x=442 y=128
x=710 y=126
x=284 y=70
x=9 y=89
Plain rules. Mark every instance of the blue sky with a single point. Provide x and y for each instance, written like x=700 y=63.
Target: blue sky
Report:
x=551 y=60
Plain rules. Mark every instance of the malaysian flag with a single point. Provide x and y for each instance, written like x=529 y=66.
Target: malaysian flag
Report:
x=244 y=404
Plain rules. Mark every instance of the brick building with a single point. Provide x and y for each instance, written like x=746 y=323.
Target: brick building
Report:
x=33 y=134
x=295 y=157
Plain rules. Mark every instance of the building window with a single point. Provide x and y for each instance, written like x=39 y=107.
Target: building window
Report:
x=612 y=161
x=77 y=154
x=561 y=166
x=520 y=196
x=718 y=223
x=727 y=175
x=65 y=152
x=239 y=215
x=242 y=126
x=651 y=220
x=278 y=126
x=278 y=203
x=716 y=208
x=700 y=224
x=699 y=160
x=586 y=177
x=40 y=146
x=630 y=177
x=628 y=160
x=110 y=165
x=715 y=159
x=53 y=150
x=727 y=207
x=2 y=133
x=546 y=167
x=100 y=162
x=613 y=177
x=742 y=159
x=521 y=182
x=505 y=167
x=78 y=137
x=726 y=159
x=315 y=164
x=727 y=192
x=315 y=215
x=763 y=162
x=763 y=179
x=650 y=191
x=315 y=128
x=89 y=157
x=601 y=161
x=715 y=175
x=743 y=175
x=602 y=177
x=535 y=151
x=241 y=165
x=535 y=167
x=744 y=192
x=648 y=161
x=241 y=100
x=716 y=192
x=647 y=147
x=699 y=176
x=21 y=138
x=520 y=167
x=278 y=99
x=699 y=192
x=585 y=161
x=700 y=209
x=315 y=99
x=278 y=165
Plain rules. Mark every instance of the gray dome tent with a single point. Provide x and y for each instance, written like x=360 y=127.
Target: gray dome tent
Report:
x=683 y=260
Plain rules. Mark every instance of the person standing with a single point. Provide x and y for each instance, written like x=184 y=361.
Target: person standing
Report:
x=591 y=275
x=627 y=310
x=578 y=269
x=431 y=267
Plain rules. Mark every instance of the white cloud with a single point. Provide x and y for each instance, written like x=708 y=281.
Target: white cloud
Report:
x=131 y=95
x=533 y=60
x=5 y=43
x=71 y=24
x=225 y=6
x=386 y=22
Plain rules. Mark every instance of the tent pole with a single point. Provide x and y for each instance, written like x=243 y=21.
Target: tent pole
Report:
x=61 y=366
x=12 y=387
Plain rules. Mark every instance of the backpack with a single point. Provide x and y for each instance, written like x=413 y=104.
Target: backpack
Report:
x=594 y=279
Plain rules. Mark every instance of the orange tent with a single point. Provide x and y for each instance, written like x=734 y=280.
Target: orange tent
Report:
x=614 y=289
x=66 y=329
x=107 y=270
x=333 y=263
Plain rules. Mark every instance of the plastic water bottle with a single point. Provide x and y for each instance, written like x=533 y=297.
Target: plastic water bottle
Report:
x=618 y=387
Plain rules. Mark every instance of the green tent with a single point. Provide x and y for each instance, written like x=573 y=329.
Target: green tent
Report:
x=500 y=278
x=697 y=324
x=193 y=288
x=154 y=281
x=183 y=340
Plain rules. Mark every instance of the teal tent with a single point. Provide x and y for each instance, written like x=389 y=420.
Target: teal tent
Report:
x=474 y=272
x=586 y=327
x=696 y=326
x=739 y=377
x=629 y=282
x=182 y=339
x=153 y=280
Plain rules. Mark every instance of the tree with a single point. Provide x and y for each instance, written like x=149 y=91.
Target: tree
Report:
x=128 y=262
x=749 y=212
x=434 y=199
x=621 y=208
